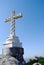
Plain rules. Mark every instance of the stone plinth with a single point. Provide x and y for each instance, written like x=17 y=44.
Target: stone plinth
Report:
x=13 y=48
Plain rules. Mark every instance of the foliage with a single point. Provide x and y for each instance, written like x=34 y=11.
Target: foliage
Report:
x=40 y=60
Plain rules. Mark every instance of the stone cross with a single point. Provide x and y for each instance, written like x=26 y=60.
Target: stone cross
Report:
x=12 y=19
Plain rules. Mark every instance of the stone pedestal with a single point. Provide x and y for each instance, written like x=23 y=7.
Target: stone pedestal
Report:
x=13 y=48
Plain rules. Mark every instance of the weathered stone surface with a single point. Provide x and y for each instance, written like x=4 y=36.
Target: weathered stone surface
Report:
x=8 y=60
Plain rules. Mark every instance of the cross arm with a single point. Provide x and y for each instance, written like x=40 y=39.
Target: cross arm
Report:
x=17 y=16
x=7 y=19
x=13 y=17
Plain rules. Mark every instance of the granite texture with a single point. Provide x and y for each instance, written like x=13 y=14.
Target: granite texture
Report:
x=9 y=60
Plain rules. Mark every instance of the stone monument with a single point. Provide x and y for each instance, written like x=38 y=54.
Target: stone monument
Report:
x=12 y=51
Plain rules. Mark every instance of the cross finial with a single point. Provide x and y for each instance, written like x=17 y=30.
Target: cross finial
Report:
x=12 y=19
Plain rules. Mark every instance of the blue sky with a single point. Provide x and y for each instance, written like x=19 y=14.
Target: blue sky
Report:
x=29 y=28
